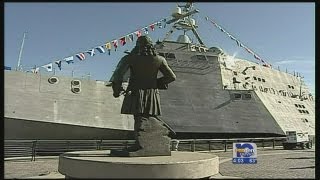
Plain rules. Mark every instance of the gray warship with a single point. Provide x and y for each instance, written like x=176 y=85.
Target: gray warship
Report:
x=215 y=95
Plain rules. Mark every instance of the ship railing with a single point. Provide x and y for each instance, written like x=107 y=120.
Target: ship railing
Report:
x=30 y=149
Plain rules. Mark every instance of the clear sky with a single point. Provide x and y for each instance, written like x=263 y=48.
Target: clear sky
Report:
x=283 y=34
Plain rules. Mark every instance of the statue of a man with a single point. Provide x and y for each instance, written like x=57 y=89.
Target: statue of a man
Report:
x=142 y=98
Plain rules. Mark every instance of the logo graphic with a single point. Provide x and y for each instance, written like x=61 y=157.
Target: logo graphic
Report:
x=244 y=153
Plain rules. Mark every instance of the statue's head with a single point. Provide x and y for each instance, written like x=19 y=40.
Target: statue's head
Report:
x=143 y=41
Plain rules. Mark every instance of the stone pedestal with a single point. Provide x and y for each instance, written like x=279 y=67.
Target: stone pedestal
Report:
x=99 y=164
x=153 y=139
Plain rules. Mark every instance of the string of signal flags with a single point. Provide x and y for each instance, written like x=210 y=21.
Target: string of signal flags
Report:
x=81 y=56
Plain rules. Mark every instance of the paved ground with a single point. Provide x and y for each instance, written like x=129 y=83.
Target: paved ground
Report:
x=275 y=164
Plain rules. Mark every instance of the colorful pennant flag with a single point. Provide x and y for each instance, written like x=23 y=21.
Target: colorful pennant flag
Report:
x=108 y=46
x=249 y=51
x=115 y=44
x=69 y=59
x=159 y=24
x=165 y=22
x=138 y=33
x=91 y=52
x=81 y=56
x=146 y=30
x=257 y=57
x=130 y=37
x=123 y=41
x=58 y=63
x=239 y=43
x=100 y=49
x=48 y=67
x=152 y=27
x=35 y=70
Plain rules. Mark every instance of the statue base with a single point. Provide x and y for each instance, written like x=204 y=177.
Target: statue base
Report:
x=152 y=139
x=99 y=164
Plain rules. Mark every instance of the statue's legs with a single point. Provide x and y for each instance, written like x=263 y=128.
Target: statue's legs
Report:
x=151 y=136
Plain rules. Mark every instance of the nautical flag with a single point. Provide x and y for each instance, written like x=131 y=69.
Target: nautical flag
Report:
x=108 y=46
x=257 y=57
x=233 y=38
x=123 y=41
x=146 y=30
x=138 y=33
x=222 y=30
x=165 y=22
x=100 y=49
x=239 y=43
x=152 y=27
x=58 y=63
x=48 y=67
x=69 y=59
x=115 y=44
x=249 y=51
x=159 y=24
x=91 y=52
x=35 y=70
x=81 y=56
x=130 y=37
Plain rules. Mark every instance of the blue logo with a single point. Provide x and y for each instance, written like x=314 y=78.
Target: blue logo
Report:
x=244 y=153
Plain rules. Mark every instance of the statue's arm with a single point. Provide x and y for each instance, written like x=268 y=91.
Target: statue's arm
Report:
x=168 y=75
x=117 y=76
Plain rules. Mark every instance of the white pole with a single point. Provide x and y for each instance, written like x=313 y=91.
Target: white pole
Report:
x=21 y=48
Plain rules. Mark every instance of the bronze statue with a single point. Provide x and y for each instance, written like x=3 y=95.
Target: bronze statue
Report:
x=142 y=98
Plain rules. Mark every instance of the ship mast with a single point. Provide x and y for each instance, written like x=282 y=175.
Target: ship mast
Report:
x=182 y=21
x=18 y=68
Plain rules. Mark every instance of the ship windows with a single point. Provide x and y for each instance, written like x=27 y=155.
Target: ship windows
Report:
x=307 y=112
x=296 y=105
x=235 y=73
x=303 y=106
x=237 y=96
x=53 y=80
x=290 y=87
x=259 y=79
x=300 y=111
x=246 y=96
x=201 y=57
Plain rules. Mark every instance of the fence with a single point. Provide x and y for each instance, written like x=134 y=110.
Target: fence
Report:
x=36 y=148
